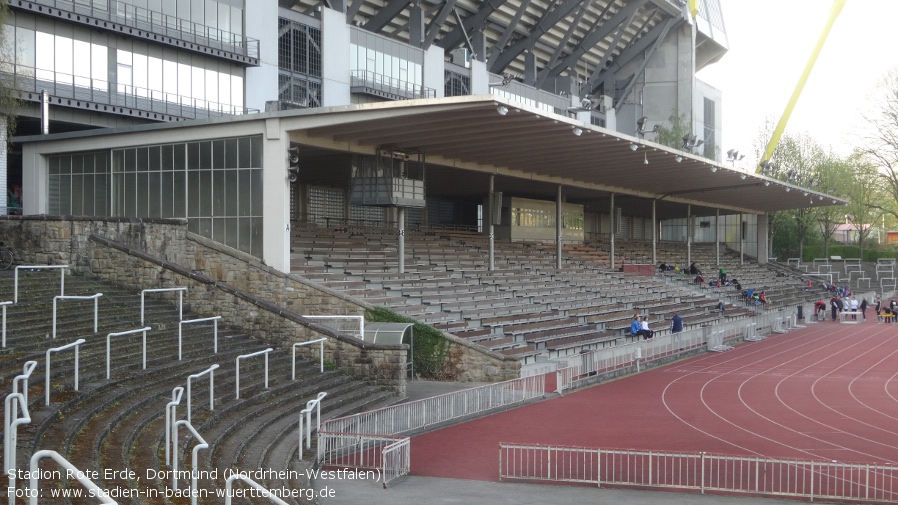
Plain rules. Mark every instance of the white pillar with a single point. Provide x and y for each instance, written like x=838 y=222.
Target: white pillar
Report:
x=276 y=206
x=762 y=239
x=717 y=236
x=654 y=234
x=400 y=224
x=489 y=218
x=689 y=234
x=613 y=222
x=558 y=228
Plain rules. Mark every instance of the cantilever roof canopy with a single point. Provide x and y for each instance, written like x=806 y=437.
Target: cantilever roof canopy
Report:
x=533 y=151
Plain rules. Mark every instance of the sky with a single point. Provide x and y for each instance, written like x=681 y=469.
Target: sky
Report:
x=770 y=42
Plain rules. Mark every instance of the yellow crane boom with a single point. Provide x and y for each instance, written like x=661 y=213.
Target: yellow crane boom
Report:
x=778 y=132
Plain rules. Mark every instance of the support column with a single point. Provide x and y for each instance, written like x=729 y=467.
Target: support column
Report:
x=741 y=241
x=491 y=264
x=763 y=252
x=717 y=237
x=613 y=222
x=654 y=234
x=558 y=228
x=400 y=224
x=688 y=235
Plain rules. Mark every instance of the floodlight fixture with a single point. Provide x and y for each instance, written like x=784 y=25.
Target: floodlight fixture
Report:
x=577 y=131
x=633 y=146
x=678 y=158
x=502 y=110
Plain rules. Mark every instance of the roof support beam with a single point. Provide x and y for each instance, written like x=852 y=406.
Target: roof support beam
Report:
x=550 y=19
x=592 y=82
x=386 y=14
x=509 y=31
x=474 y=21
x=597 y=36
x=562 y=43
x=665 y=27
x=433 y=28
x=354 y=8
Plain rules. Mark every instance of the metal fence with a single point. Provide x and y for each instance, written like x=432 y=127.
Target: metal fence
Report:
x=814 y=480
x=369 y=439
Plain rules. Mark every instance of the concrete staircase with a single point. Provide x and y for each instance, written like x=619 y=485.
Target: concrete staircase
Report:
x=119 y=423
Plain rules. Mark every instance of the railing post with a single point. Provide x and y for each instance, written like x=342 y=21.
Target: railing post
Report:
x=4 y=304
x=703 y=473
x=171 y=414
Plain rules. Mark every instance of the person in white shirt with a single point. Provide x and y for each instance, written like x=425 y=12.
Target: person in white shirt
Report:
x=645 y=331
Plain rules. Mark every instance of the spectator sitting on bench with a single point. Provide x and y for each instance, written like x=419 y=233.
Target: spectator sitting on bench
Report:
x=644 y=328
x=698 y=280
x=635 y=327
x=693 y=270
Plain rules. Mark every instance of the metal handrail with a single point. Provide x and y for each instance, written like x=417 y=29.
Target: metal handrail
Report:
x=320 y=353
x=161 y=290
x=120 y=333
x=15 y=290
x=361 y=319
x=71 y=470
x=27 y=370
x=76 y=344
x=191 y=321
x=171 y=413
x=11 y=422
x=211 y=372
x=266 y=493
x=95 y=298
x=194 y=461
x=310 y=406
x=4 y=304
x=237 y=366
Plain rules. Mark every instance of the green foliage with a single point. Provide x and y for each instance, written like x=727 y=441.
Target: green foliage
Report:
x=847 y=251
x=9 y=98
x=678 y=126
x=329 y=365
x=431 y=358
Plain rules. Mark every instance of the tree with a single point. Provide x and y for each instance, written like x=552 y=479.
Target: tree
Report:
x=865 y=197
x=881 y=141
x=672 y=134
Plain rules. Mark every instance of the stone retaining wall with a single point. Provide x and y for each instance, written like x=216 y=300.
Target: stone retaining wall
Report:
x=266 y=303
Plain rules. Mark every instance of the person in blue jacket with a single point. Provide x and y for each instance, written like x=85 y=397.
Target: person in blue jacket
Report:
x=635 y=327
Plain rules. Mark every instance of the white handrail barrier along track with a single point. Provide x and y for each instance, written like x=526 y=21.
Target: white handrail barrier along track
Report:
x=211 y=372
x=76 y=344
x=320 y=354
x=94 y=297
x=109 y=336
x=61 y=268
x=180 y=291
x=200 y=320
x=237 y=366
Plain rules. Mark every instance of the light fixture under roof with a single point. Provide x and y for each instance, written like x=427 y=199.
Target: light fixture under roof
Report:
x=805 y=193
x=502 y=110
x=633 y=146
x=678 y=158
x=713 y=168
x=788 y=189
x=577 y=131
x=742 y=176
x=767 y=183
x=646 y=159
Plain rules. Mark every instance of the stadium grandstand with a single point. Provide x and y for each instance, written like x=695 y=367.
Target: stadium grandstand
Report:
x=292 y=185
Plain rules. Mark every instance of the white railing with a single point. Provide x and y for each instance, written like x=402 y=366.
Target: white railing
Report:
x=310 y=406
x=180 y=291
x=320 y=354
x=211 y=372
x=360 y=320
x=701 y=472
x=396 y=460
x=71 y=471
x=76 y=344
x=245 y=356
x=171 y=414
x=95 y=298
x=109 y=336
x=15 y=291
x=11 y=422
x=200 y=320
x=194 y=462
x=406 y=417
x=265 y=493
x=27 y=370
x=3 y=305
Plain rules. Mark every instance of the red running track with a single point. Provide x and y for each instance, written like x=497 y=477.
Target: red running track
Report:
x=827 y=392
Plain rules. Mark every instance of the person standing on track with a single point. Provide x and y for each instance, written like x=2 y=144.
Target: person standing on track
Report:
x=863 y=307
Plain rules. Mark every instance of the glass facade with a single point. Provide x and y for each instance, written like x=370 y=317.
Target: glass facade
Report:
x=96 y=67
x=381 y=60
x=299 y=64
x=215 y=184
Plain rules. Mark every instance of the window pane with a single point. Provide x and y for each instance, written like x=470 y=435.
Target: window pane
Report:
x=232 y=193
x=167 y=194
x=218 y=193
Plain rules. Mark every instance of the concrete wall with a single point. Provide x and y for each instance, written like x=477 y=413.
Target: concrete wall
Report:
x=264 y=302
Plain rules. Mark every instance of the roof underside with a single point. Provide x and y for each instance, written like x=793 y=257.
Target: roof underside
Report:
x=532 y=152
x=564 y=36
